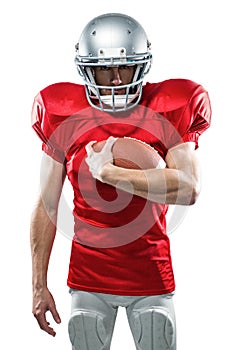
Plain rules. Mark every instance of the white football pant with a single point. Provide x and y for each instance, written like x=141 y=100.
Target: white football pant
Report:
x=151 y=320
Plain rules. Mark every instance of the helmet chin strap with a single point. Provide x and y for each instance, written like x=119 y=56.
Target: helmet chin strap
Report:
x=118 y=101
x=113 y=102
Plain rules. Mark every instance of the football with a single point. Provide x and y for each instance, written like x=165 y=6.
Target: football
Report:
x=132 y=153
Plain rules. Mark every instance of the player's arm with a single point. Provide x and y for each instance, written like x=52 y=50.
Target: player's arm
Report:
x=42 y=234
x=178 y=183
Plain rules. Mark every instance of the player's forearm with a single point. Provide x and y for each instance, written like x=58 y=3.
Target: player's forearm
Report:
x=169 y=186
x=42 y=234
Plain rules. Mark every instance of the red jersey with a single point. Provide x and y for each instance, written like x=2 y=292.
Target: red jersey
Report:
x=119 y=244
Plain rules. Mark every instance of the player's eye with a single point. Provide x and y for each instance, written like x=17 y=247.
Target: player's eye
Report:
x=104 y=68
x=127 y=67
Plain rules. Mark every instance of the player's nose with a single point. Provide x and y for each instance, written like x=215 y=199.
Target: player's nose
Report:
x=116 y=78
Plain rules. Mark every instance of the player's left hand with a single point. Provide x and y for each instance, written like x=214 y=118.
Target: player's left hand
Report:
x=97 y=160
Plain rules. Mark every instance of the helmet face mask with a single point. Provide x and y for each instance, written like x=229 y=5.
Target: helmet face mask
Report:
x=113 y=40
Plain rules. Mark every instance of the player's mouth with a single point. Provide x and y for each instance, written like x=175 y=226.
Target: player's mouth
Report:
x=120 y=91
x=116 y=91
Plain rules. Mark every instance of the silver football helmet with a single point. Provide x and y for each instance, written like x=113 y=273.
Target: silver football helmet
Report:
x=113 y=40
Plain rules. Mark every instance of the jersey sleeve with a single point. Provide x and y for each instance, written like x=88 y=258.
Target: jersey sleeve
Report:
x=41 y=123
x=198 y=112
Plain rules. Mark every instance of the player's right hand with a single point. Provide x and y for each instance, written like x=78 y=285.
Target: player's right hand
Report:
x=42 y=302
x=97 y=160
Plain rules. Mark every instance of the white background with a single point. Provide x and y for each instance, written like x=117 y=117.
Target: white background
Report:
x=190 y=39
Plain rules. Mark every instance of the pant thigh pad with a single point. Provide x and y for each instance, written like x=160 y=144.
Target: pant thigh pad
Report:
x=154 y=329
x=87 y=331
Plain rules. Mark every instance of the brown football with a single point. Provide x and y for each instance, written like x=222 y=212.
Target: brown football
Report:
x=131 y=153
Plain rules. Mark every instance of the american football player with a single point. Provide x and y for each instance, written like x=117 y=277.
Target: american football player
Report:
x=120 y=252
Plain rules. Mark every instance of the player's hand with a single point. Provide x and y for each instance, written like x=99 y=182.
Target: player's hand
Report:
x=42 y=302
x=97 y=160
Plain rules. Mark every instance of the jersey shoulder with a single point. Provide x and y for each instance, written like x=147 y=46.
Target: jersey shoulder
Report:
x=64 y=98
x=171 y=94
